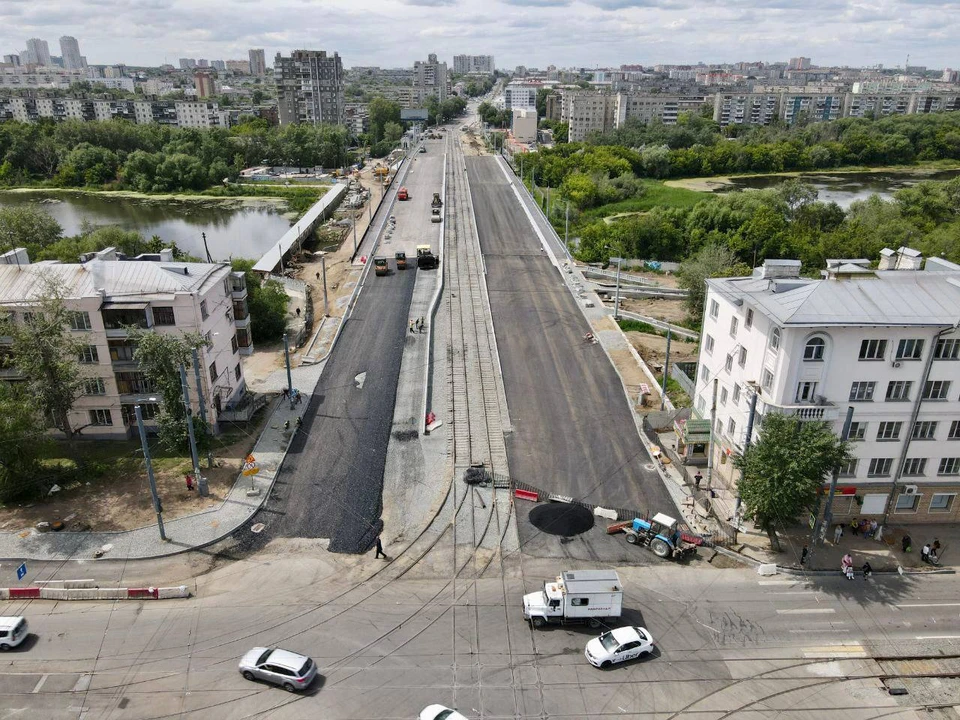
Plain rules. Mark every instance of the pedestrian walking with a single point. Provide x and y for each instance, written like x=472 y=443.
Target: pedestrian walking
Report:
x=380 y=552
x=855 y=526
x=422 y=323
x=298 y=396
x=925 y=553
x=318 y=276
x=906 y=544
x=411 y=327
x=697 y=479
x=935 y=552
x=298 y=312
x=846 y=565
x=867 y=569
x=286 y=393
x=837 y=534
x=803 y=556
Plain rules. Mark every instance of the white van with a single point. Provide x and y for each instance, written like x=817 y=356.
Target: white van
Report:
x=13 y=630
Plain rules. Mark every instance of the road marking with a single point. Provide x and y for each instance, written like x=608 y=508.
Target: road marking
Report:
x=921 y=605
x=830 y=630
x=806 y=611
x=796 y=592
x=780 y=582
x=40 y=682
x=83 y=684
x=938 y=637
x=829 y=651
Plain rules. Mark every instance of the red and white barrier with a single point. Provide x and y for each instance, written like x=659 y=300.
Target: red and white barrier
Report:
x=94 y=593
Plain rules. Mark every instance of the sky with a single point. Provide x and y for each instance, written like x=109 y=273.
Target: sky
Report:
x=535 y=33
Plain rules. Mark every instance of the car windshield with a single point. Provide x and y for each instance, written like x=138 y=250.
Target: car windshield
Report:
x=609 y=642
x=263 y=658
x=444 y=714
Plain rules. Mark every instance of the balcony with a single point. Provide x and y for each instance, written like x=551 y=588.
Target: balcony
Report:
x=133 y=383
x=824 y=410
x=238 y=286
x=120 y=316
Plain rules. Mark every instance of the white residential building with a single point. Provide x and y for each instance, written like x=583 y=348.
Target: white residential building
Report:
x=519 y=95
x=884 y=342
x=107 y=295
x=465 y=64
x=70 y=50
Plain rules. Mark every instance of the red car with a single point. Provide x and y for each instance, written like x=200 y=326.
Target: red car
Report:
x=402 y=194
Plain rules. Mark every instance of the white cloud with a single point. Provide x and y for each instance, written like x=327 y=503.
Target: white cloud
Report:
x=586 y=33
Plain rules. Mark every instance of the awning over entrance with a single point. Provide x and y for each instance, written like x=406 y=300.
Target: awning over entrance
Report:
x=693 y=432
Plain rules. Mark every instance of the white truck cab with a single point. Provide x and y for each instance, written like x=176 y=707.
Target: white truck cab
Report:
x=591 y=596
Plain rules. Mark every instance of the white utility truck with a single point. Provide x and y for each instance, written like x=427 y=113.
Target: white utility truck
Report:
x=576 y=596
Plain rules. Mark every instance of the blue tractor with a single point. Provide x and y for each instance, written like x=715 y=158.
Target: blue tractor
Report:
x=662 y=536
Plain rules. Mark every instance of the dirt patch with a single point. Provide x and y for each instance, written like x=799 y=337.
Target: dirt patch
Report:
x=671 y=311
x=472 y=145
x=653 y=349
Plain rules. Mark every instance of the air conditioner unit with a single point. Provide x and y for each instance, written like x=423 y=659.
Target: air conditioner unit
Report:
x=910 y=489
x=896 y=363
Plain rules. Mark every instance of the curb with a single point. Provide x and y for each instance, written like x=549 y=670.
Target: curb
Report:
x=93 y=593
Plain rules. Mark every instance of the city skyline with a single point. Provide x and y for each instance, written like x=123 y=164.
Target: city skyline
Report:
x=517 y=32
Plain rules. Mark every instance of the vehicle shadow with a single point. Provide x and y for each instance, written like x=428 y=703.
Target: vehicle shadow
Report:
x=29 y=642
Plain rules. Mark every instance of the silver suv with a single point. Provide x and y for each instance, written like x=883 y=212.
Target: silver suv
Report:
x=289 y=670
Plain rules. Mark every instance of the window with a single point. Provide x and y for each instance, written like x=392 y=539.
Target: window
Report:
x=701 y=404
x=731 y=427
x=775 y=340
x=129 y=416
x=580 y=601
x=203 y=310
x=723 y=396
x=936 y=389
x=879 y=467
x=734 y=326
x=748 y=323
x=766 y=380
x=907 y=501
x=705 y=373
x=806 y=391
x=898 y=390
x=873 y=349
x=909 y=349
x=94 y=386
x=28 y=317
x=848 y=469
x=79 y=321
x=164 y=316
x=889 y=431
x=736 y=394
x=813 y=351
x=714 y=309
x=954 y=430
x=947 y=349
x=941 y=502
x=236 y=372
x=101 y=417
x=925 y=430
x=858 y=430
x=89 y=355
x=213 y=372
x=743 y=357
x=862 y=391
x=914 y=467
x=233 y=344
x=728 y=365
x=949 y=466
x=708 y=344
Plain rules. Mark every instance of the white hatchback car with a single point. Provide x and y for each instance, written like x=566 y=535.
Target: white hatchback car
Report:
x=289 y=670
x=615 y=646
x=439 y=712
x=13 y=631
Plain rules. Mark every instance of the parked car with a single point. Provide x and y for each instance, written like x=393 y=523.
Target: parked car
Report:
x=439 y=712
x=289 y=670
x=615 y=646
x=422 y=149
x=13 y=631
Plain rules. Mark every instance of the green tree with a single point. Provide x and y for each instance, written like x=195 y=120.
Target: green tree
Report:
x=46 y=354
x=267 y=302
x=24 y=441
x=710 y=261
x=784 y=470
x=382 y=111
x=28 y=227
x=159 y=356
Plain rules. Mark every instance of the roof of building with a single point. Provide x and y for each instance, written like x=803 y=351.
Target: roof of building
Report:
x=117 y=278
x=893 y=297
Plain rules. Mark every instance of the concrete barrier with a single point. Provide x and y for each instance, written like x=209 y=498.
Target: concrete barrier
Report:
x=526 y=495
x=93 y=593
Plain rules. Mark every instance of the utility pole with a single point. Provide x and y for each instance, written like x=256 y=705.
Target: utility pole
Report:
x=280 y=250
x=206 y=249
x=286 y=355
x=323 y=269
x=201 y=481
x=616 y=300
x=354 y=235
x=713 y=422
x=666 y=373
x=566 y=229
x=203 y=405
x=157 y=506
x=821 y=526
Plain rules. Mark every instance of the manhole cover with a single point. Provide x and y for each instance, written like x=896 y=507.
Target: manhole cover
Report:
x=258 y=528
x=561 y=519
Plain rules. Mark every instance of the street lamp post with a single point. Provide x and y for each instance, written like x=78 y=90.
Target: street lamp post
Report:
x=286 y=355
x=323 y=269
x=188 y=411
x=616 y=299
x=157 y=506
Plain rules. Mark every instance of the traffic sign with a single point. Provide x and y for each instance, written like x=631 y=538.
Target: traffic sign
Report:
x=250 y=466
x=22 y=571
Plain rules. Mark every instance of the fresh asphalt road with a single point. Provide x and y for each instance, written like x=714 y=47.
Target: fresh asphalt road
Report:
x=573 y=431
x=730 y=645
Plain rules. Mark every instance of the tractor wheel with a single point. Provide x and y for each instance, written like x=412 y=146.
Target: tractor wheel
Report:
x=660 y=548
x=632 y=538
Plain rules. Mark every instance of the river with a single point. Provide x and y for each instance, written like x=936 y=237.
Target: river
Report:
x=239 y=229
x=844 y=188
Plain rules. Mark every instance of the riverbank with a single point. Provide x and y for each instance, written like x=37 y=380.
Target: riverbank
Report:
x=723 y=182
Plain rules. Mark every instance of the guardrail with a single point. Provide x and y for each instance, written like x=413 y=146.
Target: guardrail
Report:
x=661 y=325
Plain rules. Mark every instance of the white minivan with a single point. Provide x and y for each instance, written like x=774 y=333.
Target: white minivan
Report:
x=13 y=630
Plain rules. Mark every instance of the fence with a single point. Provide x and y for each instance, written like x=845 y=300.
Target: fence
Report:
x=684 y=373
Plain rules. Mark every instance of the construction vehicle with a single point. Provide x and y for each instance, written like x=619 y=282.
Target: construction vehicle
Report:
x=401 y=258
x=426 y=260
x=381 y=170
x=402 y=194
x=380 y=266
x=435 y=215
x=660 y=535
x=436 y=202
x=590 y=596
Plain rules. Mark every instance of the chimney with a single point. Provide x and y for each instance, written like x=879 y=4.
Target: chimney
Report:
x=17 y=257
x=107 y=254
x=166 y=255
x=780 y=269
x=908 y=259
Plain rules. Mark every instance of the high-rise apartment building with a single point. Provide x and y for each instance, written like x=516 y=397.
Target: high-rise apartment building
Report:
x=429 y=78
x=464 y=64
x=799 y=63
x=70 y=51
x=218 y=65
x=205 y=83
x=309 y=87
x=12 y=60
x=258 y=62
x=203 y=63
x=39 y=51
x=187 y=63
